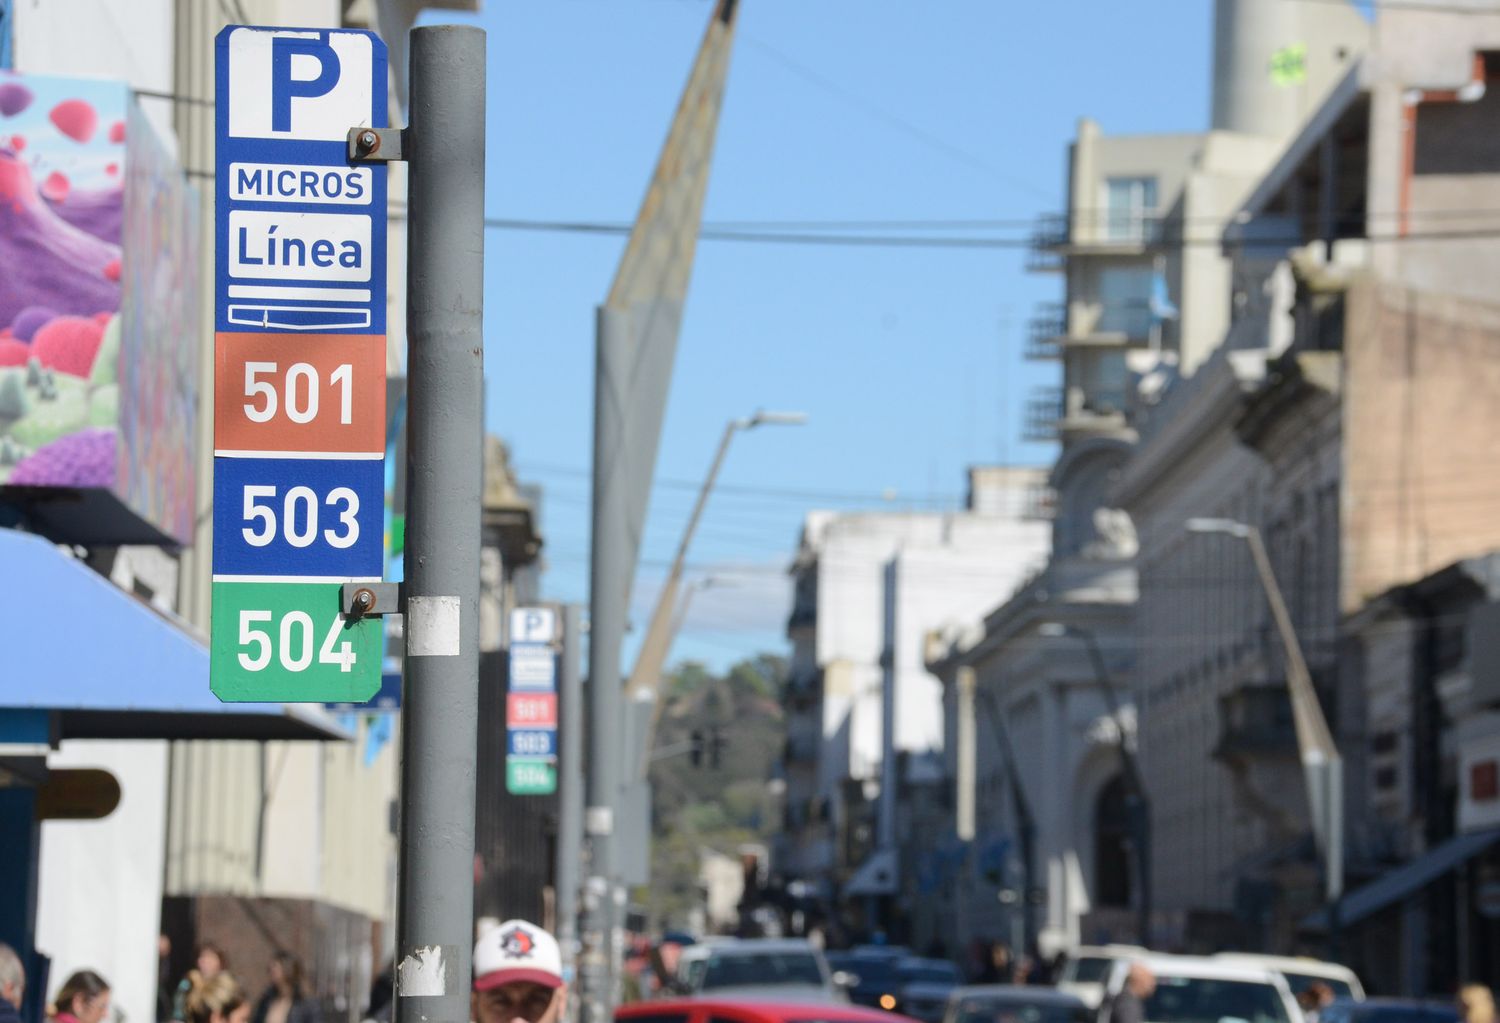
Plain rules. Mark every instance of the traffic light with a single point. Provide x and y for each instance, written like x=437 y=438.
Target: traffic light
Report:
x=695 y=754
x=716 y=743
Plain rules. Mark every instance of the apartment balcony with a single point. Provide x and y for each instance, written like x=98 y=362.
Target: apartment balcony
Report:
x=1094 y=410
x=1047 y=331
x=1255 y=725
x=1048 y=237
x=1044 y=414
x=1056 y=237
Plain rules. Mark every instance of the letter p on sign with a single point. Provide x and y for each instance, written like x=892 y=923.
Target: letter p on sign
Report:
x=289 y=84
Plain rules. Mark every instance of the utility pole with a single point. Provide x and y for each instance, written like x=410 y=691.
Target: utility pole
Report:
x=444 y=147
x=635 y=347
x=1025 y=822
x=1322 y=764
x=570 y=793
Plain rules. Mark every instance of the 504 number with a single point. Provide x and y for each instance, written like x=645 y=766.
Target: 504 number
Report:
x=291 y=641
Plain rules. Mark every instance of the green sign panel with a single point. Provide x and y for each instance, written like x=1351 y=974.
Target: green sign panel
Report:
x=525 y=776
x=289 y=643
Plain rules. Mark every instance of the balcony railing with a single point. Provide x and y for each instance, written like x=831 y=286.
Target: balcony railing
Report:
x=1048 y=236
x=1044 y=413
x=1048 y=326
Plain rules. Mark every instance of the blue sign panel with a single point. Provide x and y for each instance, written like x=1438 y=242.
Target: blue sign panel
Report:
x=301 y=231
x=533 y=667
x=312 y=517
x=532 y=742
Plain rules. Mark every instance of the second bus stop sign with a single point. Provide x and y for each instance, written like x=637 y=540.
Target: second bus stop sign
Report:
x=299 y=350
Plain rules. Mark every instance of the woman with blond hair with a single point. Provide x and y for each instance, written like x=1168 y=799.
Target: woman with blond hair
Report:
x=1476 y=1004
x=216 y=999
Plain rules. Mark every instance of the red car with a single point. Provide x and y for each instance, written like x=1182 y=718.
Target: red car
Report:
x=710 y=1010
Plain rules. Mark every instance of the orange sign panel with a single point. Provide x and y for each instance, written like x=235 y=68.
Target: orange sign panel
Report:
x=320 y=393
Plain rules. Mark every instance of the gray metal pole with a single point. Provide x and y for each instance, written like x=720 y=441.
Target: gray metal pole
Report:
x=445 y=298
x=570 y=793
x=611 y=567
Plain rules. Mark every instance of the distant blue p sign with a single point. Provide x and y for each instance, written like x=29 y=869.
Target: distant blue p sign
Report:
x=533 y=625
x=283 y=83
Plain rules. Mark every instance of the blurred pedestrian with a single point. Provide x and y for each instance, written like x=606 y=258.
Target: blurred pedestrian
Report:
x=216 y=999
x=1476 y=1004
x=163 y=978
x=518 y=976
x=1314 y=999
x=209 y=961
x=12 y=984
x=997 y=968
x=284 y=1000
x=1129 y=1006
x=83 y=998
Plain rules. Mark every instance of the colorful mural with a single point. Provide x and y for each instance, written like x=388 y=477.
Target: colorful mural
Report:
x=158 y=363
x=62 y=201
x=96 y=353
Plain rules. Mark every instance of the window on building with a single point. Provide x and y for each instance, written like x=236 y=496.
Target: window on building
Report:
x=1130 y=204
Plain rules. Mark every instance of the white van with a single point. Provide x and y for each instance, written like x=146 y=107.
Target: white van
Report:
x=1207 y=989
x=1087 y=968
x=1303 y=972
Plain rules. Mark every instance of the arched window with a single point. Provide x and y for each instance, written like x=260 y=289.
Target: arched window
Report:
x=1111 y=846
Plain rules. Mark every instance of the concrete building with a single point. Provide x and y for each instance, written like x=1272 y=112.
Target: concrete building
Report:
x=1146 y=302
x=868 y=587
x=1337 y=420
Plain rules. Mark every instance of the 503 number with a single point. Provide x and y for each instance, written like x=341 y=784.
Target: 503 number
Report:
x=295 y=633
x=300 y=504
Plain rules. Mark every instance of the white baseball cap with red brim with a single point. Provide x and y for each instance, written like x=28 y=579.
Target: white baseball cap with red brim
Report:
x=517 y=951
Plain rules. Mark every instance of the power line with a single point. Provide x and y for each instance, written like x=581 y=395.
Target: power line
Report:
x=992 y=243
x=913 y=130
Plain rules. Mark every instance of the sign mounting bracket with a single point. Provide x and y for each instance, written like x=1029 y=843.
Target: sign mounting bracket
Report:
x=377 y=145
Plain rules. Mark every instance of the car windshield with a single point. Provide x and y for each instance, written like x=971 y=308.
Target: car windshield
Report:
x=1200 y=1000
x=930 y=973
x=872 y=972
x=980 y=1010
x=761 y=968
x=1300 y=982
x=1087 y=970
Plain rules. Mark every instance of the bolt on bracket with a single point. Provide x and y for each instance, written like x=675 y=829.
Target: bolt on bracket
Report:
x=359 y=600
x=377 y=145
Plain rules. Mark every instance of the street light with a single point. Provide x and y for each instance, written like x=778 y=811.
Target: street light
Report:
x=1138 y=804
x=1322 y=766
x=646 y=676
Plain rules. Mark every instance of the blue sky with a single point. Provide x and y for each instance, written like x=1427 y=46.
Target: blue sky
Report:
x=908 y=361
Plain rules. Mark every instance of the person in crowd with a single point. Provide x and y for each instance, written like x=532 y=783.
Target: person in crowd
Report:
x=1314 y=1000
x=998 y=967
x=83 y=998
x=216 y=999
x=163 y=978
x=1129 y=1006
x=12 y=984
x=1476 y=1004
x=518 y=975
x=210 y=962
x=284 y=1000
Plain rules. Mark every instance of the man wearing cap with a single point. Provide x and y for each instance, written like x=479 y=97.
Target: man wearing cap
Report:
x=518 y=975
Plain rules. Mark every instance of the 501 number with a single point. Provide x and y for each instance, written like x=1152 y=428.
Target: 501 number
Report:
x=301 y=390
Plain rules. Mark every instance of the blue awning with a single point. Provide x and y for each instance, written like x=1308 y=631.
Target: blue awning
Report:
x=1406 y=880
x=102 y=665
